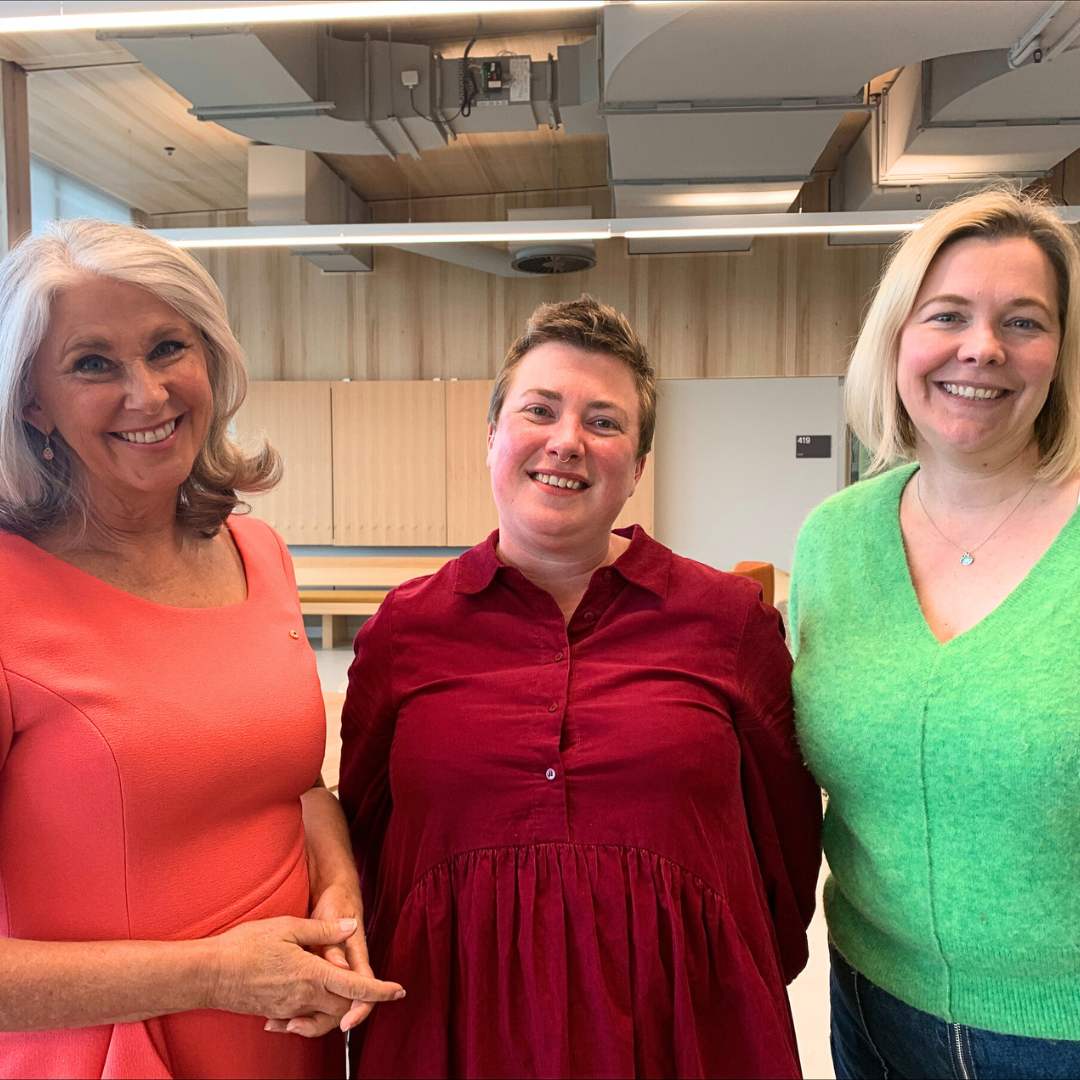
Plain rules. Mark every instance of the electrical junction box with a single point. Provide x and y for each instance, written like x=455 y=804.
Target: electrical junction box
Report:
x=519 y=88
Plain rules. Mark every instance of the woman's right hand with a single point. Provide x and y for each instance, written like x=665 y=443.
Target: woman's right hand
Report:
x=264 y=968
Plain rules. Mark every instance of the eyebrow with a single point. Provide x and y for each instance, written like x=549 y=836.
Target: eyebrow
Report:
x=96 y=341
x=964 y=301
x=554 y=395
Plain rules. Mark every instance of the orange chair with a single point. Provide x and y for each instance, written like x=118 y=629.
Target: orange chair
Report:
x=761 y=572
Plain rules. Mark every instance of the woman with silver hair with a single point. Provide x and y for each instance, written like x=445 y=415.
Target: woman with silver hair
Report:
x=171 y=871
x=935 y=610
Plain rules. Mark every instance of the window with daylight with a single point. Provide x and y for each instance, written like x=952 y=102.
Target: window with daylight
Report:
x=55 y=194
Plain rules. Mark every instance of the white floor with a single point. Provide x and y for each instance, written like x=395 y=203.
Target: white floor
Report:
x=809 y=992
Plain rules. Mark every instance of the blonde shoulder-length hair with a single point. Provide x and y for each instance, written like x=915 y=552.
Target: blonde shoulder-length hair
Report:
x=35 y=495
x=874 y=409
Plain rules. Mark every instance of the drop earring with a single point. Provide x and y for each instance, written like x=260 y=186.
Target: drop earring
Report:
x=48 y=453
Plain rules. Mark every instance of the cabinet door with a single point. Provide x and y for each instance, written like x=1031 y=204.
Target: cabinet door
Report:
x=295 y=417
x=639 y=507
x=389 y=452
x=470 y=511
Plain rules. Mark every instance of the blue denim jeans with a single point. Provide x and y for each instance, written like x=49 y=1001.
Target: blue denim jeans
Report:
x=876 y=1035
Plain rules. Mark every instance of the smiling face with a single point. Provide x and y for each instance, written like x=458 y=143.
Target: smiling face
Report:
x=563 y=454
x=978 y=352
x=122 y=377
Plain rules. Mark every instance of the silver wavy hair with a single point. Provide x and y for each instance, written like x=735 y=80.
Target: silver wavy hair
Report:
x=36 y=496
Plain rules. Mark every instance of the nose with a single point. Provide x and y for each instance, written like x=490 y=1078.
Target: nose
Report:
x=144 y=389
x=981 y=345
x=565 y=441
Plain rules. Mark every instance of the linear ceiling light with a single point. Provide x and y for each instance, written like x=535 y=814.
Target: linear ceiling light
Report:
x=719 y=199
x=494 y=232
x=71 y=16
x=469 y=232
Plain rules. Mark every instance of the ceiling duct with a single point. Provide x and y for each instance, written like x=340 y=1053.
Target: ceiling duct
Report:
x=303 y=87
x=294 y=187
x=947 y=124
x=735 y=102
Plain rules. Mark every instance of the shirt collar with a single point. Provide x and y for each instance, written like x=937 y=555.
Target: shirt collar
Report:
x=645 y=563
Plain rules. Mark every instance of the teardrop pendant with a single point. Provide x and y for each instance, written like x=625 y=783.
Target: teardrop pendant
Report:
x=967 y=559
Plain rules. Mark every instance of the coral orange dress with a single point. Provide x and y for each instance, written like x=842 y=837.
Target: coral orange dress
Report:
x=152 y=760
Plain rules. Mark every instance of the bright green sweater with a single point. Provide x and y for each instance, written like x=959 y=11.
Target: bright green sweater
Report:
x=953 y=772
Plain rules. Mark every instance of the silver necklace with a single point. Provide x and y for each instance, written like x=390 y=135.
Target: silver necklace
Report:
x=967 y=554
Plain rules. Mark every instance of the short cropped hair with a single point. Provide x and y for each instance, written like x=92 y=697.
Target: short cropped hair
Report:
x=36 y=496
x=876 y=413
x=593 y=327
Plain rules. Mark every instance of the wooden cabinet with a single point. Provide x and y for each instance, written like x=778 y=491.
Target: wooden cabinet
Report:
x=295 y=417
x=389 y=463
x=470 y=511
x=384 y=463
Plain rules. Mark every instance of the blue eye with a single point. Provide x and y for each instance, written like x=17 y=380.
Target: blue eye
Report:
x=1025 y=323
x=92 y=364
x=605 y=423
x=946 y=318
x=541 y=412
x=166 y=349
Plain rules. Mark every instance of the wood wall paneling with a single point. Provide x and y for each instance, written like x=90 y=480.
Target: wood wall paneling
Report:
x=790 y=306
x=389 y=461
x=470 y=511
x=295 y=416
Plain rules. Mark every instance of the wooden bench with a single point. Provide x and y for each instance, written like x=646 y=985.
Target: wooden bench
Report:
x=335 y=586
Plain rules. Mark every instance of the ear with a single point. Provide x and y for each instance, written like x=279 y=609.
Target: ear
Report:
x=639 y=469
x=490 y=443
x=37 y=417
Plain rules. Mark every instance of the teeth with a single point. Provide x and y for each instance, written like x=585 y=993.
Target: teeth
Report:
x=154 y=436
x=559 y=481
x=980 y=393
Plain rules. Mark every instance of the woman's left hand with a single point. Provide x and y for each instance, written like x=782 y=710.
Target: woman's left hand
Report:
x=339 y=900
x=335 y=894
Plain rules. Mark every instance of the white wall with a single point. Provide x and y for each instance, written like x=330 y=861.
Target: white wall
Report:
x=728 y=484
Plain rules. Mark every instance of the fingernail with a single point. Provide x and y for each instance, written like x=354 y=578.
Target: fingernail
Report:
x=347 y=925
x=268 y=1026
x=292 y=1027
x=399 y=995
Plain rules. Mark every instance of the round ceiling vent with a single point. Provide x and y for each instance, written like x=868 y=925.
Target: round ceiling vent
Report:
x=554 y=259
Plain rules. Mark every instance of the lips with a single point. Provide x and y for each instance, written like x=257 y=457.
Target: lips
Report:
x=560 y=481
x=148 y=436
x=968 y=392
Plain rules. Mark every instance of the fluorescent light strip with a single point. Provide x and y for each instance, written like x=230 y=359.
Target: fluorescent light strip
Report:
x=494 y=232
x=286 y=236
x=768 y=230
x=310 y=11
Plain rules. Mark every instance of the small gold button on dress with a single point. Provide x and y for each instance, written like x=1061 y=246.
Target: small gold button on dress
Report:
x=294 y=634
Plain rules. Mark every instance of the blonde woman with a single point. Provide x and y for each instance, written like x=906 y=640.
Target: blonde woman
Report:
x=163 y=834
x=936 y=612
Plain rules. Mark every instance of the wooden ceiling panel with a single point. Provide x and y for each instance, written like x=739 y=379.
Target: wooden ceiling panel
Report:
x=109 y=126
x=37 y=52
x=482 y=164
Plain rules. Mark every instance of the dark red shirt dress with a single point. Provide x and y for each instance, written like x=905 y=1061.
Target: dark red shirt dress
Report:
x=587 y=850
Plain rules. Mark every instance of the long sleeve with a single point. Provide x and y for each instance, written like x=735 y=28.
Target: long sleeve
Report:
x=783 y=802
x=367 y=733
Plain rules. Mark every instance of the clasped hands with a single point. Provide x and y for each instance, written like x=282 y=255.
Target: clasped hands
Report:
x=314 y=974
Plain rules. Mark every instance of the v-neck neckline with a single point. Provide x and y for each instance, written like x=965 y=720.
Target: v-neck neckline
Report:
x=899 y=557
